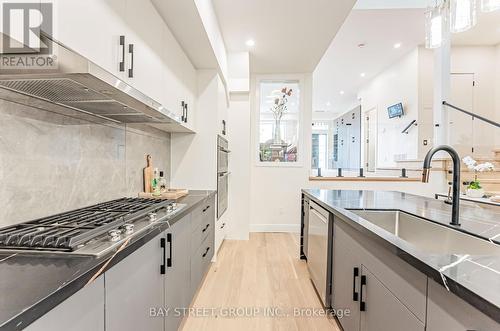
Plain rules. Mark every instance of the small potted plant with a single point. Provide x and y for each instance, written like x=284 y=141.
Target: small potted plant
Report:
x=474 y=190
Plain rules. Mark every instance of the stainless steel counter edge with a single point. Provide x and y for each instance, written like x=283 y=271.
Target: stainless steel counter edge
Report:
x=89 y=267
x=423 y=262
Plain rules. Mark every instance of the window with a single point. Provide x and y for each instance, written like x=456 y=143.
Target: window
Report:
x=319 y=150
x=278 y=121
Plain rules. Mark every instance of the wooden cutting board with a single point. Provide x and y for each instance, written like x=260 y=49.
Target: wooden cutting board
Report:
x=148 y=174
x=170 y=194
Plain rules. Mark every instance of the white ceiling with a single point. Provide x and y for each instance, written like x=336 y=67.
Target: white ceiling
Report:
x=343 y=62
x=290 y=35
x=485 y=33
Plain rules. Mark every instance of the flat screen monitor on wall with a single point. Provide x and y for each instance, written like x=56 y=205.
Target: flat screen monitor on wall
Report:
x=395 y=110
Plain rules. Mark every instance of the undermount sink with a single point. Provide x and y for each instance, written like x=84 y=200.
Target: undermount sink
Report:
x=426 y=235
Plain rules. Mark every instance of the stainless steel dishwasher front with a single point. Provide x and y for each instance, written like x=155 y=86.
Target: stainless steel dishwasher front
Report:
x=317 y=250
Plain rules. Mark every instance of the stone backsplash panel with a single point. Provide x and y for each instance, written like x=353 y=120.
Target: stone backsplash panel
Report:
x=51 y=163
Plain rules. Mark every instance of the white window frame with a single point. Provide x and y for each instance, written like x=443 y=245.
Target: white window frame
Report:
x=292 y=78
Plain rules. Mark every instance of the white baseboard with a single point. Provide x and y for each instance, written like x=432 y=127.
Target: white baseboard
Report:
x=294 y=228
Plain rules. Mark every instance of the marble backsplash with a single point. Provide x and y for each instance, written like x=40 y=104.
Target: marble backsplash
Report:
x=51 y=163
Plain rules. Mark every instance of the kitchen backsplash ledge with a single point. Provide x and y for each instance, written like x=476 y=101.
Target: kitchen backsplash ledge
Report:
x=51 y=163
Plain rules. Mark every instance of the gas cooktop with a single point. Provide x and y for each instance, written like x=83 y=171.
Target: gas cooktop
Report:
x=92 y=230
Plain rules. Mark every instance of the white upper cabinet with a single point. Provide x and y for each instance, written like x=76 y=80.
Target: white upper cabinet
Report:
x=93 y=29
x=145 y=48
x=180 y=80
x=130 y=39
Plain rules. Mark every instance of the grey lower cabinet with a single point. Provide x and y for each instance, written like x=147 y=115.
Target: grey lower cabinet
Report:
x=158 y=275
x=381 y=310
x=446 y=311
x=377 y=297
x=81 y=312
x=133 y=287
x=178 y=272
x=202 y=244
x=346 y=273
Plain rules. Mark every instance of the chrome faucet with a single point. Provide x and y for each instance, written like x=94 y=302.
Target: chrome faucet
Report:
x=456 y=178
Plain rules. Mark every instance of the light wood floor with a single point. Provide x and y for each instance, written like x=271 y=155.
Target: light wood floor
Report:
x=261 y=273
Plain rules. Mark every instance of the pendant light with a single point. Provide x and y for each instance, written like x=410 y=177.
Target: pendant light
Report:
x=435 y=22
x=490 y=5
x=462 y=15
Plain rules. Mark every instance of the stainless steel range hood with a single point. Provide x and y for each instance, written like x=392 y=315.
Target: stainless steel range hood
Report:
x=81 y=87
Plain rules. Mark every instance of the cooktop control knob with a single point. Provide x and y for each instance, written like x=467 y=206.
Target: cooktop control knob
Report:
x=152 y=217
x=127 y=228
x=114 y=235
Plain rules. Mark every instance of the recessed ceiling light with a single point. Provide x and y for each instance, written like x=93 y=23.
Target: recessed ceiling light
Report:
x=328 y=104
x=362 y=74
x=342 y=92
x=397 y=45
x=250 y=42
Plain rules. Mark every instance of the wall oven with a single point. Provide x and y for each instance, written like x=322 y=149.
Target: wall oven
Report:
x=222 y=174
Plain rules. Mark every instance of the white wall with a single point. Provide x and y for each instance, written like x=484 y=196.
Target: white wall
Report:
x=479 y=60
x=239 y=72
x=275 y=191
x=239 y=166
x=425 y=100
x=484 y=63
x=398 y=83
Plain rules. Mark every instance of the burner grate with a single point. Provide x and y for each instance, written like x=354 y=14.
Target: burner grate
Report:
x=68 y=230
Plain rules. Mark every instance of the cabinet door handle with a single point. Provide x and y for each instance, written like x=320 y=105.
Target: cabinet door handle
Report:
x=163 y=246
x=223 y=225
x=186 y=116
x=131 y=52
x=206 y=252
x=169 y=260
x=204 y=210
x=362 y=304
x=354 y=276
x=206 y=227
x=122 y=45
x=183 y=111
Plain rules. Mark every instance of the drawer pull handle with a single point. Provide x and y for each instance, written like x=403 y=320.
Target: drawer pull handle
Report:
x=206 y=252
x=162 y=266
x=131 y=52
x=204 y=210
x=354 y=276
x=122 y=45
x=169 y=240
x=183 y=111
x=362 y=304
x=206 y=227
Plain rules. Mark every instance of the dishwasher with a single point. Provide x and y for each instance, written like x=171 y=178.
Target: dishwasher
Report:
x=318 y=248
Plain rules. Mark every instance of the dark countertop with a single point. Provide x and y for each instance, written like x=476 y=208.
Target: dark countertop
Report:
x=475 y=279
x=33 y=284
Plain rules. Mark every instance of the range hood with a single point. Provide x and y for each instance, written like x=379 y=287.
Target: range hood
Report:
x=79 y=87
